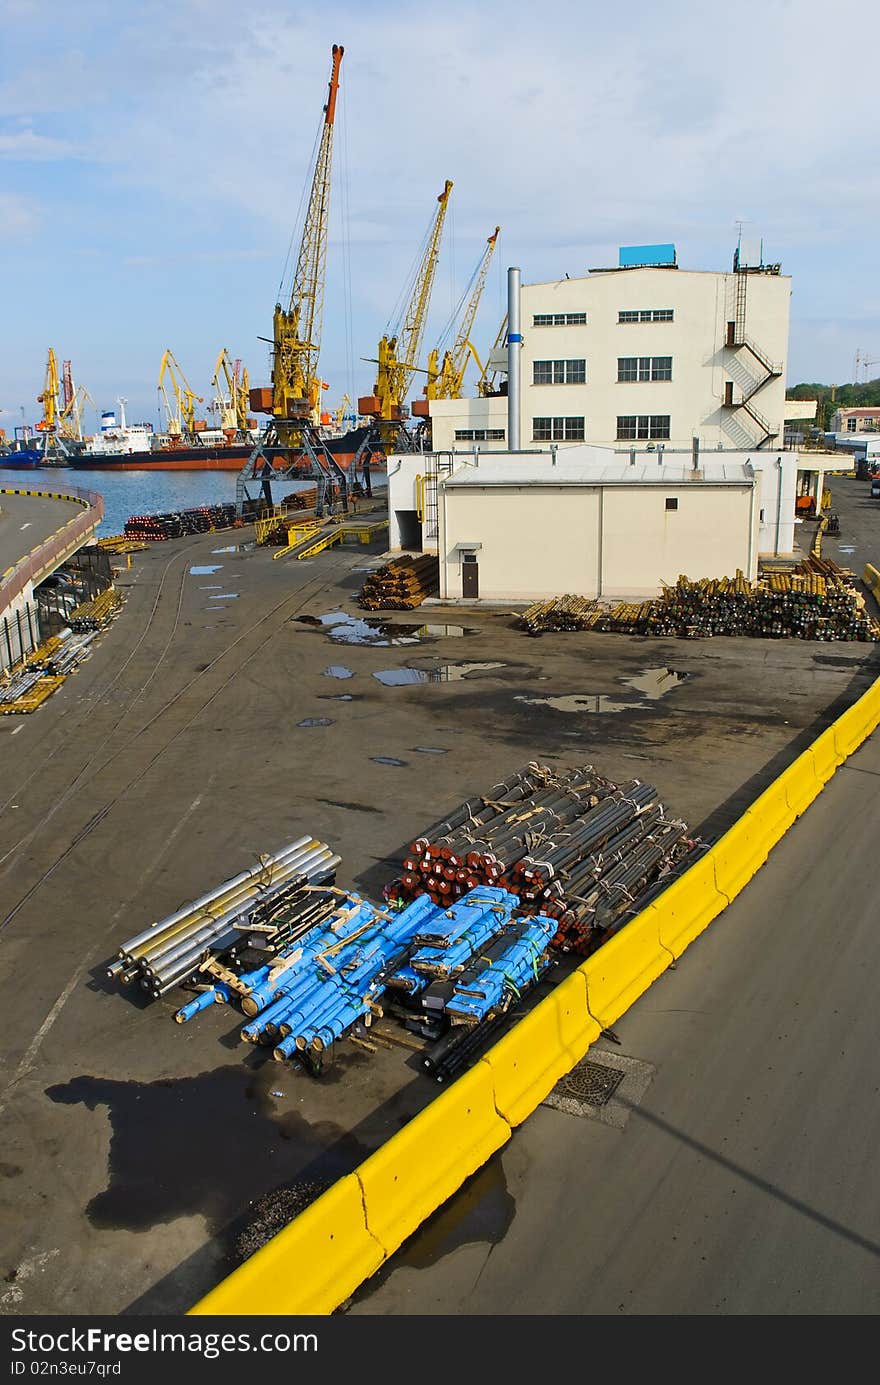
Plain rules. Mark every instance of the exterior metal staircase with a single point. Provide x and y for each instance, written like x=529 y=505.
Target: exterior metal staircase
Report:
x=738 y=340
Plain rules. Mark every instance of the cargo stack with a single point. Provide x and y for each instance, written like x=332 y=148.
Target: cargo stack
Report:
x=401 y=584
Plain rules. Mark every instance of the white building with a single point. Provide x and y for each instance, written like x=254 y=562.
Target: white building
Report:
x=644 y=353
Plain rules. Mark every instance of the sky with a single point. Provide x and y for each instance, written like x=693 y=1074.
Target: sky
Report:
x=154 y=158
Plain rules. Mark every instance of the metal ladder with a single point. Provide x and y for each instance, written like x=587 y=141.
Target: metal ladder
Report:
x=438 y=464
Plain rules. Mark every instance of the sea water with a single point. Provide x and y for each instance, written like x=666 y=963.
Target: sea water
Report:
x=129 y=493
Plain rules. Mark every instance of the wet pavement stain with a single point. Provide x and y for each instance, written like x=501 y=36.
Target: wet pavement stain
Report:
x=349 y=629
x=649 y=686
x=481 y=1211
x=352 y=807
x=386 y=760
x=430 y=750
x=443 y=673
x=205 y=569
x=338 y=671
x=210 y=1144
x=338 y=697
x=315 y=721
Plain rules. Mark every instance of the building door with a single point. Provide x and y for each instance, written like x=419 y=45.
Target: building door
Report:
x=470 y=575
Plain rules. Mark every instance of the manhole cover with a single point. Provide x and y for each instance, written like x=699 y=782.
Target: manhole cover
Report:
x=591 y=1083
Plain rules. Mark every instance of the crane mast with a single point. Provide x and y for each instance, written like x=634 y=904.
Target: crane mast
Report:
x=445 y=380
x=296 y=330
x=398 y=353
x=181 y=417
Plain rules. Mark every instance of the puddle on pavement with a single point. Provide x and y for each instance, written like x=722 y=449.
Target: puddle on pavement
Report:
x=481 y=1211
x=217 y=587
x=338 y=671
x=208 y=1145
x=443 y=673
x=336 y=697
x=230 y=548
x=430 y=750
x=206 y=569
x=315 y=721
x=650 y=686
x=387 y=760
x=350 y=629
x=224 y=596
x=655 y=682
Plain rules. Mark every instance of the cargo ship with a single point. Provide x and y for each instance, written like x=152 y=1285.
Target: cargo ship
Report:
x=135 y=447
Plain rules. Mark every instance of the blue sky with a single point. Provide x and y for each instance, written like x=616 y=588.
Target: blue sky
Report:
x=153 y=158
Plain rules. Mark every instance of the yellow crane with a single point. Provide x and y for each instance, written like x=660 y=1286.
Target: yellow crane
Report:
x=49 y=398
x=398 y=356
x=446 y=378
x=296 y=329
x=181 y=417
x=231 y=384
x=70 y=421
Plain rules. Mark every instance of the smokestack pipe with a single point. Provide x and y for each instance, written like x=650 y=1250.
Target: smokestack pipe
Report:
x=514 y=345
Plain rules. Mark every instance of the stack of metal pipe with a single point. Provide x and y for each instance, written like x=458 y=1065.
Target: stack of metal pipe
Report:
x=571 y=844
x=173 y=949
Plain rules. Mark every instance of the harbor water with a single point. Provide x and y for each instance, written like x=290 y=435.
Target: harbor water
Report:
x=129 y=493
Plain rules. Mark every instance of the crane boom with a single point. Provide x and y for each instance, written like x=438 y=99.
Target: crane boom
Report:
x=398 y=353
x=183 y=419
x=297 y=328
x=445 y=381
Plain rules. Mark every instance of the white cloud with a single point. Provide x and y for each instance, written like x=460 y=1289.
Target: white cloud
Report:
x=18 y=216
x=27 y=146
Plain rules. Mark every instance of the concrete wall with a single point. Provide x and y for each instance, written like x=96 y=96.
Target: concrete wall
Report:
x=609 y=541
x=702 y=305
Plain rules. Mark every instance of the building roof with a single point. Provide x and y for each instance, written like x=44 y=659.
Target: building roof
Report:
x=860 y=413
x=594 y=469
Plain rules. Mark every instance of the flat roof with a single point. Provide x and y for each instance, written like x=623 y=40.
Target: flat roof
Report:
x=524 y=470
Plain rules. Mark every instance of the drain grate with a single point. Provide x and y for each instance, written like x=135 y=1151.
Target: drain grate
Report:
x=591 y=1083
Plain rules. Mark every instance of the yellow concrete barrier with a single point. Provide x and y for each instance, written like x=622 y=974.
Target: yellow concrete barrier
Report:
x=825 y=755
x=528 y=1062
x=856 y=723
x=429 y=1159
x=799 y=783
x=688 y=906
x=625 y=967
x=772 y=812
x=309 y=1267
x=738 y=854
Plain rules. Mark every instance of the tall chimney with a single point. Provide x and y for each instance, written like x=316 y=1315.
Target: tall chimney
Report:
x=514 y=345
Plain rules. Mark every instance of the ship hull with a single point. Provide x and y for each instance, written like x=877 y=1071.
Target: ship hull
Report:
x=230 y=458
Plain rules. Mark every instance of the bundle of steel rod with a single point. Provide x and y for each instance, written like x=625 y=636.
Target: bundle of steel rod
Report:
x=401 y=584
x=817 y=600
x=178 y=523
x=90 y=615
x=173 y=949
x=481 y=842
x=561 y=613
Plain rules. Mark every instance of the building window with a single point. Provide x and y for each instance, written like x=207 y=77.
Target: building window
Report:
x=557 y=430
x=479 y=435
x=633 y=427
x=851 y=425
x=559 y=320
x=644 y=368
x=559 y=372
x=645 y=315
x=671 y=502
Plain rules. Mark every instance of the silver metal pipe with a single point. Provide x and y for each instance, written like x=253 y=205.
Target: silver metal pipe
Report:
x=306 y=865
x=514 y=347
x=163 y=937
x=195 y=943
x=212 y=895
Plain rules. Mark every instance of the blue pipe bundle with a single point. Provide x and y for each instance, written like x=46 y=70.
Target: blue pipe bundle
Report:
x=518 y=967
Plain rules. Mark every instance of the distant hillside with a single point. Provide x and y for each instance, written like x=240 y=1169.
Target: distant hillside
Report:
x=855 y=396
